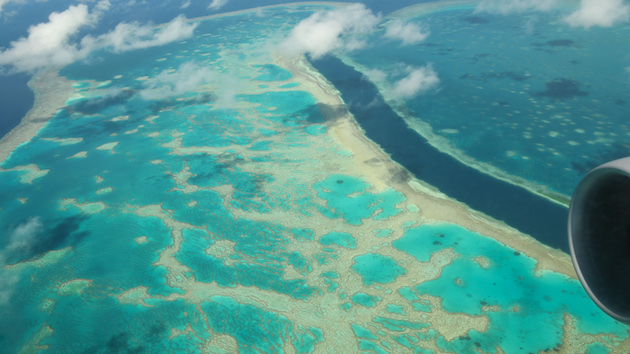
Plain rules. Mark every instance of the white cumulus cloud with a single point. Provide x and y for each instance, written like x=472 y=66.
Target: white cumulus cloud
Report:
x=53 y=44
x=22 y=238
x=185 y=4
x=25 y=235
x=418 y=81
x=259 y=12
x=48 y=43
x=185 y=79
x=8 y=283
x=21 y=241
x=191 y=77
x=515 y=6
x=408 y=33
x=129 y=36
x=3 y=2
x=603 y=13
x=375 y=75
x=325 y=31
x=217 y=4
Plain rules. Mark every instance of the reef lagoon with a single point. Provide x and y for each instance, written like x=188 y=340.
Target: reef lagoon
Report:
x=249 y=211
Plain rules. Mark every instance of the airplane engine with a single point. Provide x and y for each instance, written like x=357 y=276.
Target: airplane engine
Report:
x=599 y=236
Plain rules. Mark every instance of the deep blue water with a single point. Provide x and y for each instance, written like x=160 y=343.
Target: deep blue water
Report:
x=16 y=98
x=525 y=211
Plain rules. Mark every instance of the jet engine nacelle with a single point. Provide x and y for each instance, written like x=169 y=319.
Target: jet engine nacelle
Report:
x=599 y=236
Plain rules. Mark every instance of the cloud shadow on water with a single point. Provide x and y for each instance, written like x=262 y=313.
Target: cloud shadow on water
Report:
x=561 y=89
x=512 y=75
x=556 y=43
x=328 y=113
x=475 y=19
x=138 y=342
x=95 y=105
x=65 y=233
x=173 y=103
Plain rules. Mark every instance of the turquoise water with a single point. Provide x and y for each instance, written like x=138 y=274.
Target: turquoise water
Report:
x=375 y=268
x=337 y=191
x=104 y=245
x=341 y=239
x=506 y=279
x=184 y=224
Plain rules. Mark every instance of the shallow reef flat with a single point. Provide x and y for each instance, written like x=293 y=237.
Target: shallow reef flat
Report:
x=248 y=212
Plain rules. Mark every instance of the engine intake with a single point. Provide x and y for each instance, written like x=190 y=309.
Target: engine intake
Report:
x=599 y=236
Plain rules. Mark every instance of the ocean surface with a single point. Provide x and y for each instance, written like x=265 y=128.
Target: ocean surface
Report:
x=523 y=97
x=237 y=212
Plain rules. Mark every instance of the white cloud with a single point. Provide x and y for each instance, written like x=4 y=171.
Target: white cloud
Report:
x=4 y=2
x=132 y=3
x=8 y=282
x=190 y=77
x=22 y=238
x=419 y=80
x=530 y=25
x=185 y=4
x=226 y=97
x=515 y=6
x=326 y=31
x=187 y=78
x=7 y=14
x=49 y=44
x=130 y=36
x=375 y=75
x=25 y=235
x=217 y=4
x=102 y=6
x=604 y=13
x=408 y=33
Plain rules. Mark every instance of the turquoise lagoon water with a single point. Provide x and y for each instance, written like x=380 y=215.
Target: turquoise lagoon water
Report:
x=185 y=224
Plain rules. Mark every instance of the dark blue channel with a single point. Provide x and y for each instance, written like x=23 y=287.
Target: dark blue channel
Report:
x=523 y=210
x=16 y=98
